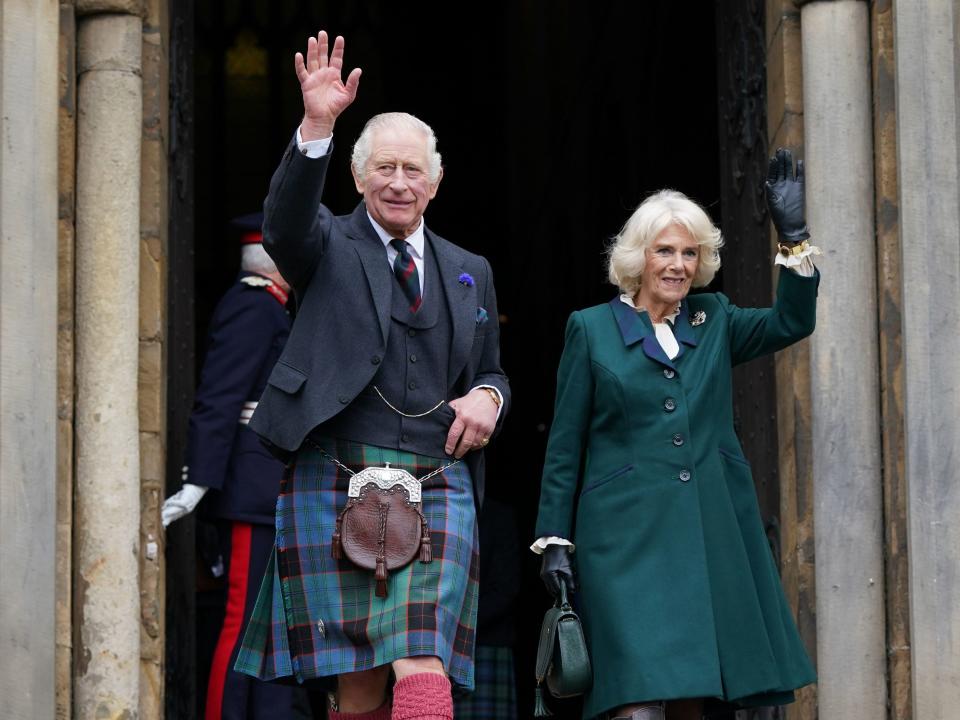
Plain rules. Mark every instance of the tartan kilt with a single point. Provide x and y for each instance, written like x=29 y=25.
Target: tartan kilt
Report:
x=317 y=617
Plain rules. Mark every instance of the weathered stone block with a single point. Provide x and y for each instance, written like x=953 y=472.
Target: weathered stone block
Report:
x=789 y=134
x=151 y=384
x=90 y=7
x=784 y=75
x=153 y=189
x=152 y=316
x=152 y=459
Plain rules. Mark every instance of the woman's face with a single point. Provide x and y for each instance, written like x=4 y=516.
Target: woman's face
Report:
x=671 y=264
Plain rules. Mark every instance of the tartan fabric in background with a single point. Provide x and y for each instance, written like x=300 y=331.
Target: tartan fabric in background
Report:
x=317 y=617
x=494 y=694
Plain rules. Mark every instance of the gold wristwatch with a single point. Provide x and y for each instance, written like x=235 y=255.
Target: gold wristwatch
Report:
x=788 y=250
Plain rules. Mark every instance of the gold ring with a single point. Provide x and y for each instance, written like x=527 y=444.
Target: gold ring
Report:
x=484 y=441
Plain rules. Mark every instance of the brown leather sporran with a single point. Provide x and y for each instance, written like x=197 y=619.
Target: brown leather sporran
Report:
x=382 y=527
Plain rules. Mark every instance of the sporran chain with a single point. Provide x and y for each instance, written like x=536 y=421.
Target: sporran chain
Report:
x=401 y=412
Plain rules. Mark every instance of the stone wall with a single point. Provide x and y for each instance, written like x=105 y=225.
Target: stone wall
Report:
x=153 y=370
x=889 y=314
x=785 y=129
x=67 y=178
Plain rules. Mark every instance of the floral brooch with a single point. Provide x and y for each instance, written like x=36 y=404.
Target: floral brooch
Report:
x=466 y=279
x=699 y=317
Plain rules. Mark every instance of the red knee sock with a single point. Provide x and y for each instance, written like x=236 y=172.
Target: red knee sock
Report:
x=424 y=696
x=381 y=713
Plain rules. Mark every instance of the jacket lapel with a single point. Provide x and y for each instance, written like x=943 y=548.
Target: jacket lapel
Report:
x=683 y=330
x=635 y=327
x=461 y=299
x=373 y=257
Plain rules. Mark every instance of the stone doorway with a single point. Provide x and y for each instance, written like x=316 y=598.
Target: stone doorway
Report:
x=554 y=122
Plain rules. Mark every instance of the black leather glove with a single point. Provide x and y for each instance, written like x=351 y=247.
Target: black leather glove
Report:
x=785 y=198
x=556 y=568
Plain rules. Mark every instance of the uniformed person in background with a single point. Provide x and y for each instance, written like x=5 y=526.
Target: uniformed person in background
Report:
x=229 y=468
x=495 y=683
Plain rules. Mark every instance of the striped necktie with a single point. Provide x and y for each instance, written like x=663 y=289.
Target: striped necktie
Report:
x=406 y=271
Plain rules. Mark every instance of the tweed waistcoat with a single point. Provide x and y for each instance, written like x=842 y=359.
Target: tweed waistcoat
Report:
x=412 y=376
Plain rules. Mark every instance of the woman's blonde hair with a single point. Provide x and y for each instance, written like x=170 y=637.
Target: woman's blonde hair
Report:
x=627 y=253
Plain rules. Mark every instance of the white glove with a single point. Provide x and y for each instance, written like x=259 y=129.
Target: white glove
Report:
x=181 y=503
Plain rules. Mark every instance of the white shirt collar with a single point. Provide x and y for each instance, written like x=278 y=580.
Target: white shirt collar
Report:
x=416 y=240
x=627 y=300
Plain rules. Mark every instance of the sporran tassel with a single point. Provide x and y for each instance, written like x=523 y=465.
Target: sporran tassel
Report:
x=426 y=547
x=336 y=550
x=381 y=576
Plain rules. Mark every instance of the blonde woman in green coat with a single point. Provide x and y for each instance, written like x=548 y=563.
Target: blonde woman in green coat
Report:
x=645 y=489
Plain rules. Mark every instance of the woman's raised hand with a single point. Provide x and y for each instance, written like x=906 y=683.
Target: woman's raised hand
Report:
x=785 y=197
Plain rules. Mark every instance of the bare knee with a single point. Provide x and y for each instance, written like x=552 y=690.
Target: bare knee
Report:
x=405 y=667
x=362 y=691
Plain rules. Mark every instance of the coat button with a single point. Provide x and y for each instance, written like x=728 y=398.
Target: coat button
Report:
x=684 y=476
x=668 y=373
x=375 y=359
x=343 y=399
x=412 y=385
x=405 y=438
x=678 y=439
x=413 y=358
x=669 y=404
x=411 y=332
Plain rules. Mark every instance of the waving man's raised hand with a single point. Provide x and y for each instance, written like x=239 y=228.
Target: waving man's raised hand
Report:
x=325 y=95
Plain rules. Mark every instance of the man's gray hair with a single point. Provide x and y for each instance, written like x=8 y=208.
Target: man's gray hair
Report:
x=395 y=121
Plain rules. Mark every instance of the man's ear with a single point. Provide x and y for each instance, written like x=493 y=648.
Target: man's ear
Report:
x=357 y=179
x=435 y=185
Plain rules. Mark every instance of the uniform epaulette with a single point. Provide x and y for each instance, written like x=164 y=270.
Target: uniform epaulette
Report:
x=256 y=281
x=267 y=284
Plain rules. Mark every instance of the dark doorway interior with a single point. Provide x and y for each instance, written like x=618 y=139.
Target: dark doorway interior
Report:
x=554 y=121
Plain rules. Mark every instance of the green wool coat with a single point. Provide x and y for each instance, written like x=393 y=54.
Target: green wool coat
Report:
x=679 y=593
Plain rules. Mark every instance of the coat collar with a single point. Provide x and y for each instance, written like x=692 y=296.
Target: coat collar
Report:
x=635 y=327
x=374 y=260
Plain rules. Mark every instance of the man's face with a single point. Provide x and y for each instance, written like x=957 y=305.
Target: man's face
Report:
x=394 y=184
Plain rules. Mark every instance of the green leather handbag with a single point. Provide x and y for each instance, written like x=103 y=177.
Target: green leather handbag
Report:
x=563 y=664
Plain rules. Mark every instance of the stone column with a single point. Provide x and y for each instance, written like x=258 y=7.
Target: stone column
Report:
x=107 y=492
x=848 y=507
x=28 y=369
x=928 y=90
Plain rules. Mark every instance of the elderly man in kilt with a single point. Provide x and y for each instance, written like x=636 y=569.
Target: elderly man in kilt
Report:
x=392 y=365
